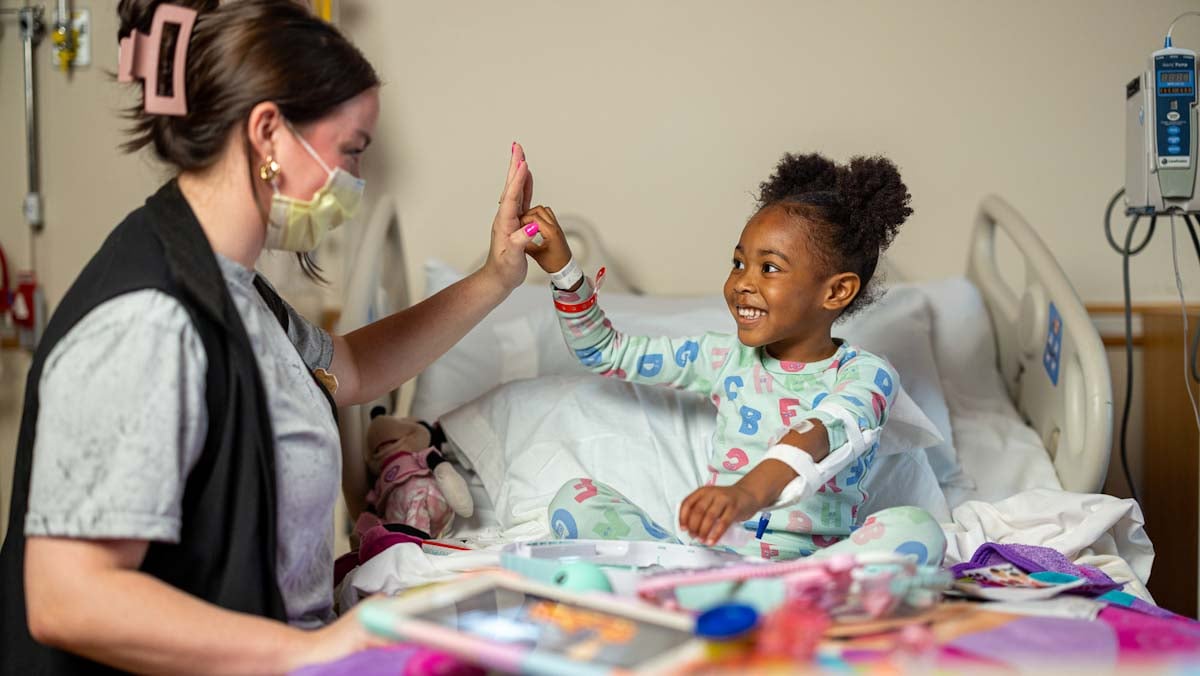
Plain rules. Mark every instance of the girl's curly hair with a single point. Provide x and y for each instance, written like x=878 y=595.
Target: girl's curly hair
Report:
x=854 y=209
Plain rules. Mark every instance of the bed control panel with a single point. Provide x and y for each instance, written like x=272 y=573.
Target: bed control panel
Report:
x=1052 y=354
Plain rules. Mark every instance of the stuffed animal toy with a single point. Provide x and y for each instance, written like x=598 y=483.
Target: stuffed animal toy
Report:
x=415 y=485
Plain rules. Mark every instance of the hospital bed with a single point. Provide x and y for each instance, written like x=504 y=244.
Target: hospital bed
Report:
x=1007 y=367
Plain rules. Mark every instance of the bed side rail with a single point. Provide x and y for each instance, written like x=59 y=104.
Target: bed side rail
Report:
x=1050 y=353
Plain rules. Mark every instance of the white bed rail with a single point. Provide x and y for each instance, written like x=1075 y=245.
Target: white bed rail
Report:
x=1065 y=394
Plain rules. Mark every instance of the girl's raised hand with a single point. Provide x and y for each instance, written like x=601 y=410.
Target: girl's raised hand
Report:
x=554 y=252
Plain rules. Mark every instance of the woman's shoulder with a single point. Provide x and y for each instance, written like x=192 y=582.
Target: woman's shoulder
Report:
x=128 y=327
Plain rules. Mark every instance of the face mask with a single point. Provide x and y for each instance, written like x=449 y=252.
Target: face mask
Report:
x=300 y=225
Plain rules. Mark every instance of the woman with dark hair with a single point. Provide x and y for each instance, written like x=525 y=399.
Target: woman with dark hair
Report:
x=178 y=460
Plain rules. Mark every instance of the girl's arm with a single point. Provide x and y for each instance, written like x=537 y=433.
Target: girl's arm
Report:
x=709 y=511
x=87 y=597
x=381 y=356
x=681 y=363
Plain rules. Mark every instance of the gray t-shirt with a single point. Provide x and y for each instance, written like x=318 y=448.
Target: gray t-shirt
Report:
x=123 y=419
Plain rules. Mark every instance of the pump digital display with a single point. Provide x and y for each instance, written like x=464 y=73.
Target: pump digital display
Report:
x=1174 y=90
x=1177 y=76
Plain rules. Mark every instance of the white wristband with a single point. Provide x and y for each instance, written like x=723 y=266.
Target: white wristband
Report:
x=568 y=277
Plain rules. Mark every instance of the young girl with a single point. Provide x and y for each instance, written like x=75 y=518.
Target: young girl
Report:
x=798 y=411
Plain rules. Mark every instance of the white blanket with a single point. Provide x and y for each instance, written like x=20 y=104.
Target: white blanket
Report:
x=1097 y=530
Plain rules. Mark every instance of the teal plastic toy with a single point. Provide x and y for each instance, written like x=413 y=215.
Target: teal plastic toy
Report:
x=582 y=576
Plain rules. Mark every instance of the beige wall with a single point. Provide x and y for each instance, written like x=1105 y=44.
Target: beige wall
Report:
x=657 y=119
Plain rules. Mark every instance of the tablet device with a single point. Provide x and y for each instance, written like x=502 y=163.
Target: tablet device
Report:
x=504 y=622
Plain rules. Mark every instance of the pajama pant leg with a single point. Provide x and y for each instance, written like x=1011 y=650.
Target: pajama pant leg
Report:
x=903 y=530
x=589 y=510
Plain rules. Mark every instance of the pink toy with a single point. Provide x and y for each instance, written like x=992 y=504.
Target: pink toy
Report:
x=415 y=486
x=792 y=632
x=846 y=586
x=139 y=58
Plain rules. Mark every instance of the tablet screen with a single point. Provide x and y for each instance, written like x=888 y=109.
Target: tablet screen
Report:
x=548 y=625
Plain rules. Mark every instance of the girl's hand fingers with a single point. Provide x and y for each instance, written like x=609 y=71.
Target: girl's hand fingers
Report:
x=540 y=212
x=685 y=508
x=716 y=511
x=696 y=512
x=718 y=529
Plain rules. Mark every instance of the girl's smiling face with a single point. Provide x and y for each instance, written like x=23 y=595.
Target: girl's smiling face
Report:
x=779 y=293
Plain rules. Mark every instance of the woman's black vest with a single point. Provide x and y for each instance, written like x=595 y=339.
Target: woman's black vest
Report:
x=226 y=549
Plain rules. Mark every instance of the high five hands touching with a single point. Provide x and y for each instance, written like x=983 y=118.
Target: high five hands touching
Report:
x=516 y=226
x=506 y=259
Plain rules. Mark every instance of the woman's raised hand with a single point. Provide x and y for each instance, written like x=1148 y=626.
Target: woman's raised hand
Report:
x=506 y=259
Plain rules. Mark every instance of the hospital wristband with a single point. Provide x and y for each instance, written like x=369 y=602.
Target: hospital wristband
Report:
x=568 y=277
x=808 y=477
x=575 y=308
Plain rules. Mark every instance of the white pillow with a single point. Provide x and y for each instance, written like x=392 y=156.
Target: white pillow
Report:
x=473 y=365
x=905 y=479
x=900 y=327
x=527 y=438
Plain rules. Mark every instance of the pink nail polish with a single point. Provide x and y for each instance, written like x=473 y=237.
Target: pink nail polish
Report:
x=532 y=229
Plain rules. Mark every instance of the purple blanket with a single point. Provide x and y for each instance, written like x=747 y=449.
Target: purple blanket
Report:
x=1033 y=559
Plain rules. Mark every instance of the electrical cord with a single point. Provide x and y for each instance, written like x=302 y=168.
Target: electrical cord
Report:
x=1108 y=228
x=1196 y=336
x=1126 y=252
x=1191 y=365
x=1183 y=312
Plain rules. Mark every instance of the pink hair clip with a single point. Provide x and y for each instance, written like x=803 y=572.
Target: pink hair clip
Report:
x=139 y=58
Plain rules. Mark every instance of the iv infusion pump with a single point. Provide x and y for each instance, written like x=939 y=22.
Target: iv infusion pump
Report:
x=1160 y=136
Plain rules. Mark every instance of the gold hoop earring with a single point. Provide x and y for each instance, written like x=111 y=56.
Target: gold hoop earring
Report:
x=269 y=169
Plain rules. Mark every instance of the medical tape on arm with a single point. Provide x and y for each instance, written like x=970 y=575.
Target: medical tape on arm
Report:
x=810 y=475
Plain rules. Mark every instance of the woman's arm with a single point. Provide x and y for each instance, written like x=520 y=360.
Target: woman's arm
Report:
x=381 y=356
x=87 y=597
